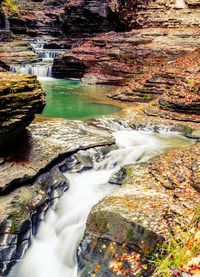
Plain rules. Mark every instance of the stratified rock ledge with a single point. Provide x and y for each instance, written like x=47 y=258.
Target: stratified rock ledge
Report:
x=21 y=97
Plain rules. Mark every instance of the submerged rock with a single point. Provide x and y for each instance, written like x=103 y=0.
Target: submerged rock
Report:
x=21 y=97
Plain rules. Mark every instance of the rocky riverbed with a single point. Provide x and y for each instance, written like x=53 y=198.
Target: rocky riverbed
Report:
x=148 y=50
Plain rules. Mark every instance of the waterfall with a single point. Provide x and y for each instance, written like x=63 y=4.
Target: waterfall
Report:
x=40 y=70
x=53 y=250
x=180 y=4
x=47 y=56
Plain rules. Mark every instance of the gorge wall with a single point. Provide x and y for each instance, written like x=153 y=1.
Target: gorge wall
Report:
x=87 y=16
x=83 y=17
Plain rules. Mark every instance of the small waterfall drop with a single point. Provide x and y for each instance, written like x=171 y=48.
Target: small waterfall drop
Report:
x=180 y=4
x=47 y=56
x=53 y=250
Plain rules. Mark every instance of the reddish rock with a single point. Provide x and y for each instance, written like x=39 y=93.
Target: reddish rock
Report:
x=135 y=61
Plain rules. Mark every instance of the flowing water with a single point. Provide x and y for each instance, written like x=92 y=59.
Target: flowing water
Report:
x=46 y=56
x=53 y=250
x=72 y=99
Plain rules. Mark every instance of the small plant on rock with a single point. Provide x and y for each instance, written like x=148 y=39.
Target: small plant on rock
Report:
x=10 y=7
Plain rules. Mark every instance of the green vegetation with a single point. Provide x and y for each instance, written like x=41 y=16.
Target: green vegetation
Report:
x=129 y=173
x=148 y=96
x=10 y=7
x=182 y=253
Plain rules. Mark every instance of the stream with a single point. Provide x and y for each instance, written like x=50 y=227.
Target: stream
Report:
x=54 y=248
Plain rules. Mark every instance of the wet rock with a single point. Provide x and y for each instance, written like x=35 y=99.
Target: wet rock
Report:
x=48 y=141
x=108 y=258
x=117 y=177
x=16 y=52
x=28 y=205
x=128 y=214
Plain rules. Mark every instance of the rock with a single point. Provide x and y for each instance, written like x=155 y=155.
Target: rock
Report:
x=25 y=208
x=38 y=18
x=142 y=213
x=21 y=97
x=85 y=17
x=180 y=99
x=135 y=61
x=47 y=142
x=16 y=52
x=108 y=258
x=195 y=134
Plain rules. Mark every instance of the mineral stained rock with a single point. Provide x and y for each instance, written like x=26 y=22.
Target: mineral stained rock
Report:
x=21 y=97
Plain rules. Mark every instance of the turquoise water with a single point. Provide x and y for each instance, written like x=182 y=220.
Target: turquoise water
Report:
x=73 y=100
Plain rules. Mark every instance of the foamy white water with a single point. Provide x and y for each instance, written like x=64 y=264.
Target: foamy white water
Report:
x=53 y=250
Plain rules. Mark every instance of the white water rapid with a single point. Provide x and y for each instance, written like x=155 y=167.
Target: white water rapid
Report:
x=53 y=250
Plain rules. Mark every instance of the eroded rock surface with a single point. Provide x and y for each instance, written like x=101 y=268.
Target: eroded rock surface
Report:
x=181 y=96
x=38 y=18
x=46 y=142
x=21 y=97
x=24 y=209
x=154 y=201
x=134 y=61
x=85 y=17
x=15 y=52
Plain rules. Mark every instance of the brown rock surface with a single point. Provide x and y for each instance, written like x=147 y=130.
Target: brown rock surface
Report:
x=136 y=61
x=15 y=52
x=21 y=97
x=181 y=98
x=152 y=203
x=38 y=18
x=85 y=17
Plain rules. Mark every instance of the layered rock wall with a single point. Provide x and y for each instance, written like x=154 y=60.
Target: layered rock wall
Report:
x=38 y=18
x=21 y=97
x=86 y=17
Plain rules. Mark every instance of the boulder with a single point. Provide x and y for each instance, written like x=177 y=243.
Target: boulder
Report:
x=150 y=205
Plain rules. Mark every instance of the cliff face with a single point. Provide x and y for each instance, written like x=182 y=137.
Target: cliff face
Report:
x=21 y=97
x=86 y=17
x=38 y=18
x=4 y=26
x=83 y=17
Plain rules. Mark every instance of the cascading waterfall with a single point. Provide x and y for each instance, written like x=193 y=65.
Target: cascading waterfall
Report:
x=47 y=56
x=40 y=70
x=53 y=250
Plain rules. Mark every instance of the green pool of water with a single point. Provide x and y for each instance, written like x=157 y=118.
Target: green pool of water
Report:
x=73 y=100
